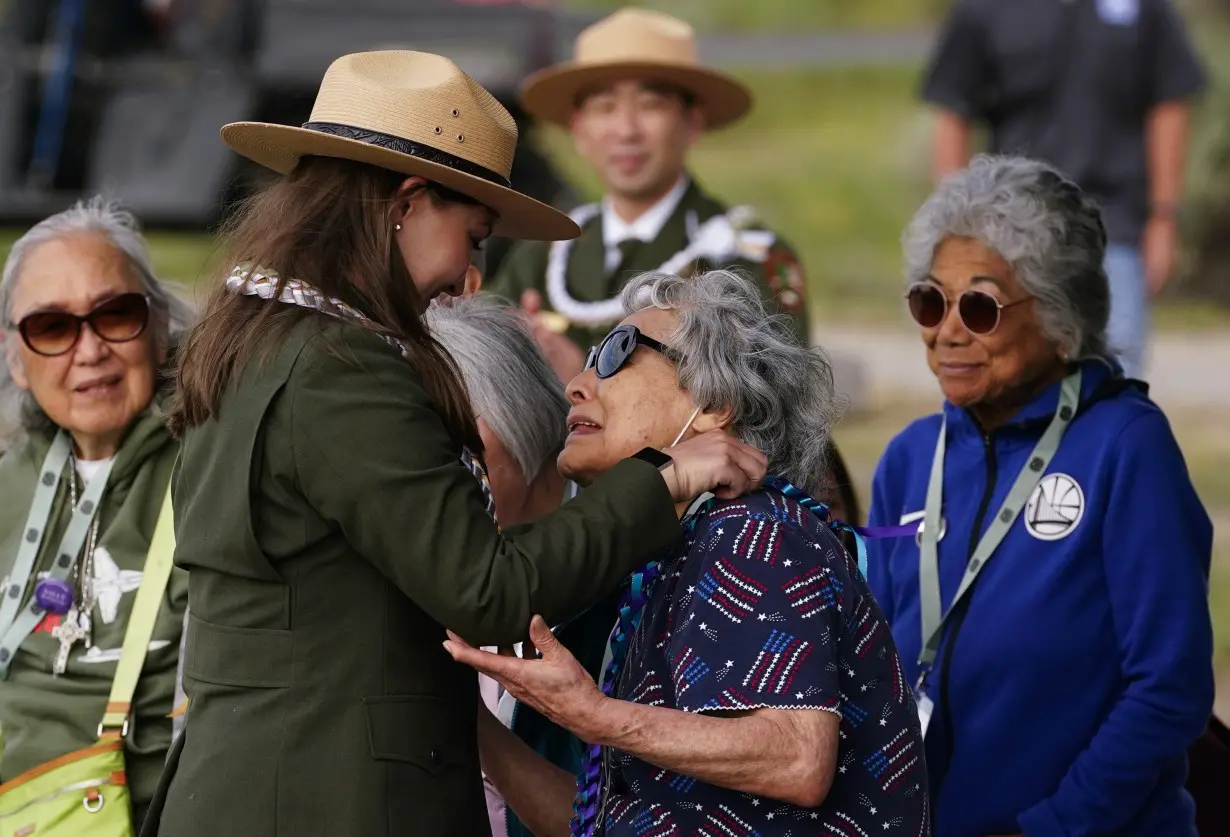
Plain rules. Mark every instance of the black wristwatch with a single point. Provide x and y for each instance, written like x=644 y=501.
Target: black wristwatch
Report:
x=654 y=457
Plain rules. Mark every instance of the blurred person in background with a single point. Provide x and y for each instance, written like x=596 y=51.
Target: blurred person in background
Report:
x=1097 y=88
x=752 y=686
x=636 y=100
x=331 y=504
x=87 y=330
x=1052 y=608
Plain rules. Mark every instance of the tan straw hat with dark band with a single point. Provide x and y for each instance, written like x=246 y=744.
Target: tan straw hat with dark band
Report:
x=635 y=43
x=414 y=113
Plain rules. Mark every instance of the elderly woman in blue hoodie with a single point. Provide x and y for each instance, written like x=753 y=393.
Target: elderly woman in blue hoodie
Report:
x=1051 y=606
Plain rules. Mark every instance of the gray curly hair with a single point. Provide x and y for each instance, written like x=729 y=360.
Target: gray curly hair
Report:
x=731 y=353
x=1043 y=225
x=170 y=316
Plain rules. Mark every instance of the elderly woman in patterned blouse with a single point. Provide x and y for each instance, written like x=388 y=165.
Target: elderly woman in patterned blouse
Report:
x=753 y=687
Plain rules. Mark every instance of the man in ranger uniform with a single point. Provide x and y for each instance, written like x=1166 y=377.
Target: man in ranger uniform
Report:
x=636 y=99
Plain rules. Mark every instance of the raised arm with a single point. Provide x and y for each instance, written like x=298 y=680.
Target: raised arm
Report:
x=767 y=740
x=373 y=456
x=786 y=754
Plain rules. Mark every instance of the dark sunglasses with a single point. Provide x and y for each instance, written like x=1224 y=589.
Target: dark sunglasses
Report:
x=116 y=320
x=609 y=356
x=979 y=311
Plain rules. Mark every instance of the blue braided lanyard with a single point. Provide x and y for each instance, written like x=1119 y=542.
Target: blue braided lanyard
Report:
x=822 y=511
x=631 y=607
x=589 y=780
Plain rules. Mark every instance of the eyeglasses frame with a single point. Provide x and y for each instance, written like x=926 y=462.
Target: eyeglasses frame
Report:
x=83 y=321
x=999 y=306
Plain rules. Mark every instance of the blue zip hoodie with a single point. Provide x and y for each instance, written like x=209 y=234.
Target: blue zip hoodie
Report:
x=1077 y=670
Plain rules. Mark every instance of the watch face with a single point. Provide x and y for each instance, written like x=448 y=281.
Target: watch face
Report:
x=654 y=457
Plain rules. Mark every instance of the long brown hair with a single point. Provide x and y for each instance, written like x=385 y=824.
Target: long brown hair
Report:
x=328 y=225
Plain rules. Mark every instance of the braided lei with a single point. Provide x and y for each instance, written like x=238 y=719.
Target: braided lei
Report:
x=631 y=606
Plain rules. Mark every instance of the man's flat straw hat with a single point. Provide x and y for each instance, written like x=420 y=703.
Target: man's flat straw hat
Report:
x=417 y=114
x=640 y=44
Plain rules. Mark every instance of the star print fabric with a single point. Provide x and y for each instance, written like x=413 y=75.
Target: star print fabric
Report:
x=761 y=607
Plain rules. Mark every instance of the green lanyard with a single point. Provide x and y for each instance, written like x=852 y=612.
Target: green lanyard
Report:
x=1018 y=496
x=15 y=626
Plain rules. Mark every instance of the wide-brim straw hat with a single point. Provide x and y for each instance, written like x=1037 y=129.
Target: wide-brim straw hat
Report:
x=417 y=114
x=640 y=44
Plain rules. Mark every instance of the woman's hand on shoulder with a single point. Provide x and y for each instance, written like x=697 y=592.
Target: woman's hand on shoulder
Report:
x=713 y=461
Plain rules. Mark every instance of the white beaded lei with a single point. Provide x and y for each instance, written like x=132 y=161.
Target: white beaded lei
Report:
x=719 y=240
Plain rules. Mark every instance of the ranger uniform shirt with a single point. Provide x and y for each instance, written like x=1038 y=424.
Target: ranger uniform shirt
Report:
x=332 y=535
x=590 y=279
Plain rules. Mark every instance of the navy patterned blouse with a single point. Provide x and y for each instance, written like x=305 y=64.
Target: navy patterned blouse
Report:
x=760 y=606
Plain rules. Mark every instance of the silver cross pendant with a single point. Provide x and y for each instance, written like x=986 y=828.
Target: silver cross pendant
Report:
x=69 y=632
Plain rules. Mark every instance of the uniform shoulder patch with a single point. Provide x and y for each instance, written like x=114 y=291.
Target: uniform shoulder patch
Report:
x=785 y=277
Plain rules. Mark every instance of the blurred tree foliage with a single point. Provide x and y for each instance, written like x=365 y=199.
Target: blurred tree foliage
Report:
x=787 y=15
x=1207 y=213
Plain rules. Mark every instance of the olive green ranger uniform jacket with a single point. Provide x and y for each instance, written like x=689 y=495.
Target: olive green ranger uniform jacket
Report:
x=43 y=717
x=753 y=249
x=332 y=534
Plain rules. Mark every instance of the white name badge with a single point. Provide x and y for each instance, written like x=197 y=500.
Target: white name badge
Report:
x=925 y=707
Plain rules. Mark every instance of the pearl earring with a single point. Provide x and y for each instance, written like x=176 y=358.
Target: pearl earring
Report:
x=397 y=227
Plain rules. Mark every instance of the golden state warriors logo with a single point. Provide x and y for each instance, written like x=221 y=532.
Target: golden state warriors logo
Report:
x=1055 y=507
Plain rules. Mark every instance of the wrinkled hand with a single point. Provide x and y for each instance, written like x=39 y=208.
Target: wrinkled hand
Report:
x=565 y=357
x=556 y=685
x=1159 y=251
x=713 y=461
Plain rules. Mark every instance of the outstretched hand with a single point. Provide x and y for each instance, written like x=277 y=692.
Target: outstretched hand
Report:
x=554 y=683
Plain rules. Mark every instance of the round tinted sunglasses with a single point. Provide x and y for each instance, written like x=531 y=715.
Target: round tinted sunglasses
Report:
x=979 y=311
x=609 y=356
x=116 y=320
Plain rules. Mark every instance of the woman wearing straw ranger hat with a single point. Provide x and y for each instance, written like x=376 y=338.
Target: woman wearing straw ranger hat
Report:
x=331 y=506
